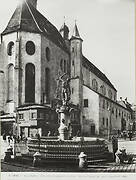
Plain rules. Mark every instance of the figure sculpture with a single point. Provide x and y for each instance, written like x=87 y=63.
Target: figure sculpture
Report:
x=65 y=89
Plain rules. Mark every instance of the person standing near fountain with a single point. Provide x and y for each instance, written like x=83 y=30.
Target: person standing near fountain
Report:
x=114 y=146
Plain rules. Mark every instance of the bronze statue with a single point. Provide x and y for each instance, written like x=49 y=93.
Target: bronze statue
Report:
x=65 y=88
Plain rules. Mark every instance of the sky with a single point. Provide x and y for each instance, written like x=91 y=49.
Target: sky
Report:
x=107 y=29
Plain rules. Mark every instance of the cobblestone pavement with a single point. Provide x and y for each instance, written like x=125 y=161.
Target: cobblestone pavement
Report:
x=122 y=168
x=16 y=167
x=111 y=167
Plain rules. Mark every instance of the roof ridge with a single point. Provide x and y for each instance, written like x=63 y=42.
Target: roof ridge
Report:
x=33 y=16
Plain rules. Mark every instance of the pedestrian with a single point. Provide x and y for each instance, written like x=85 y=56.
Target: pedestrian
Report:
x=4 y=136
x=9 y=139
x=114 y=146
x=130 y=135
x=49 y=133
x=125 y=135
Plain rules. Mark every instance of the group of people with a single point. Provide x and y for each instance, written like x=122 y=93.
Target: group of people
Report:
x=8 y=137
x=119 y=155
x=126 y=134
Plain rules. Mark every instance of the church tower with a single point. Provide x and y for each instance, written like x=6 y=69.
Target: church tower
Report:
x=32 y=54
x=64 y=31
x=76 y=69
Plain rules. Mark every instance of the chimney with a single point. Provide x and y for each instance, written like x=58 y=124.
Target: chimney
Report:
x=121 y=98
x=33 y=3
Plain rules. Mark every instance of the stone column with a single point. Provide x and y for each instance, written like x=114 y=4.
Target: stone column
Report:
x=63 y=129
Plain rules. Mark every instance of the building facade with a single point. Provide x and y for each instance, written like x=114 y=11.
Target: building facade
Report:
x=33 y=57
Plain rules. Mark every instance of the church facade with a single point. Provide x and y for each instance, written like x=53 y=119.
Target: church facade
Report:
x=33 y=55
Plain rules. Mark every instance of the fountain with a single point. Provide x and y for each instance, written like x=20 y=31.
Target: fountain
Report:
x=65 y=148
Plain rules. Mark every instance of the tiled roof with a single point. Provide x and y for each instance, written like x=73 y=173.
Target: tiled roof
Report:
x=97 y=72
x=27 y=18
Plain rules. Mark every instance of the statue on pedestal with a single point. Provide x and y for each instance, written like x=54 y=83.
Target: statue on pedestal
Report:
x=65 y=92
x=64 y=130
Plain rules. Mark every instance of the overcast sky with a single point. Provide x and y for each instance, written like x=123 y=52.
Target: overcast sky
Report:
x=107 y=30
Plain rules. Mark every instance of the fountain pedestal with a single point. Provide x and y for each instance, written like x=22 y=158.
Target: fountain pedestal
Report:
x=64 y=129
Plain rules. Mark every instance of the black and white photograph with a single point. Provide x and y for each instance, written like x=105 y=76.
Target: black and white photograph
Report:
x=67 y=87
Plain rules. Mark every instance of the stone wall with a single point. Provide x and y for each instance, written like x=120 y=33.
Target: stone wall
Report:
x=90 y=113
x=56 y=55
x=111 y=112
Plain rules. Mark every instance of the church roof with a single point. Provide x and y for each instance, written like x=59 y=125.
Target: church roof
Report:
x=29 y=19
x=97 y=72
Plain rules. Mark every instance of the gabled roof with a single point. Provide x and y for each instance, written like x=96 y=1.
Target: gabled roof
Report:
x=97 y=72
x=29 y=19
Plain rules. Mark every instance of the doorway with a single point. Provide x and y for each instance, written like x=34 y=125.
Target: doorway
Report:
x=92 y=129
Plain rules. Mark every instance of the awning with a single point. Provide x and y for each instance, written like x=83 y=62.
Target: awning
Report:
x=7 y=120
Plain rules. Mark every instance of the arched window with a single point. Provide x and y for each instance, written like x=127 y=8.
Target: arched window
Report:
x=65 y=66
x=30 y=83
x=116 y=113
x=103 y=90
x=103 y=121
x=110 y=94
x=48 y=54
x=94 y=85
x=107 y=122
x=10 y=82
x=103 y=104
x=47 y=84
x=30 y=47
x=10 y=48
x=61 y=64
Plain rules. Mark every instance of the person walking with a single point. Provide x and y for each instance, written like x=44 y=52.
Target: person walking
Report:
x=130 y=135
x=4 y=136
x=114 y=146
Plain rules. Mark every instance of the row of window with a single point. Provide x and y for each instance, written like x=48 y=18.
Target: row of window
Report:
x=117 y=112
x=29 y=83
x=33 y=115
x=102 y=89
x=105 y=122
x=30 y=49
x=113 y=110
